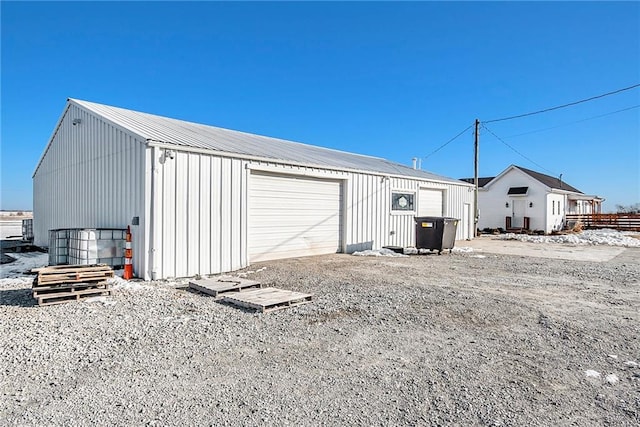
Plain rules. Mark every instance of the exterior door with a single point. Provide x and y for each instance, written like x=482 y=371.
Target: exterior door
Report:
x=292 y=216
x=519 y=211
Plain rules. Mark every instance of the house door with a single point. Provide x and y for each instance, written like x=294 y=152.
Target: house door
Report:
x=519 y=210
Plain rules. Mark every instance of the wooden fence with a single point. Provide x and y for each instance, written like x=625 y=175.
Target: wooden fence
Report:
x=628 y=222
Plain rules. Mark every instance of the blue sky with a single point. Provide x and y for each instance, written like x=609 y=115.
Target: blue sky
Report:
x=395 y=80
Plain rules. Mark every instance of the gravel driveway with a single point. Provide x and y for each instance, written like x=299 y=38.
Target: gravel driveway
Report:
x=426 y=340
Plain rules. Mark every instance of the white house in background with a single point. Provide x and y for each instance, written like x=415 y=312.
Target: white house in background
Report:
x=522 y=198
x=205 y=200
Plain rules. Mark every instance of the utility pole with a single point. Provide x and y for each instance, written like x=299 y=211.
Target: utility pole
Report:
x=476 y=143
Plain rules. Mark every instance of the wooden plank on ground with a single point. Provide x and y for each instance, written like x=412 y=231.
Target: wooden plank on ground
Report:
x=71 y=268
x=219 y=285
x=71 y=287
x=73 y=274
x=56 y=286
x=268 y=299
x=62 y=297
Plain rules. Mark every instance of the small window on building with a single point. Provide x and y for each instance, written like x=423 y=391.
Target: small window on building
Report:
x=402 y=201
x=518 y=191
x=553 y=207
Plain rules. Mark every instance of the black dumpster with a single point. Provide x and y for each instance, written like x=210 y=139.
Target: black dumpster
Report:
x=435 y=233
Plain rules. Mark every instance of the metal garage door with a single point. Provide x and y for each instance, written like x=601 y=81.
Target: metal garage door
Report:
x=430 y=202
x=292 y=216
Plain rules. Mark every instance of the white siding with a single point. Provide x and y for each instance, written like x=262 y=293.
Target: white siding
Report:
x=293 y=216
x=198 y=215
x=493 y=201
x=216 y=234
x=193 y=208
x=91 y=176
x=555 y=210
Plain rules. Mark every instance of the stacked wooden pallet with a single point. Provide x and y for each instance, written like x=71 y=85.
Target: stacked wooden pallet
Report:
x=64 y=283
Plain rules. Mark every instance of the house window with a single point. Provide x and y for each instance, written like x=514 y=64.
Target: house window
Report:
x=553 y=207
x=402 y=201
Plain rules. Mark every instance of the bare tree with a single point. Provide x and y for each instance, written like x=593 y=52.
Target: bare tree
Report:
x=631 y=209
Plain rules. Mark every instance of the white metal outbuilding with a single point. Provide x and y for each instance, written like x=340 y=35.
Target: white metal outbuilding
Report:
x=209 y=200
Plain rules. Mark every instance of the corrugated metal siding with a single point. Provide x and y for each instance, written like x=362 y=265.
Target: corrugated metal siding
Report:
x=99 y=174
x=200 y=216
x=91 y=176
x=202 y=212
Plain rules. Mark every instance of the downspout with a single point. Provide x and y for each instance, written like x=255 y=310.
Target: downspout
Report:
x=152 y=210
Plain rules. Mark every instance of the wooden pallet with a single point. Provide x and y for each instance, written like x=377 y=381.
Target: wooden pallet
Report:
x=64 y=283
x=67 y=287
x=266 y=300
x=218 y=286
x=62 y=297
x=60 y=274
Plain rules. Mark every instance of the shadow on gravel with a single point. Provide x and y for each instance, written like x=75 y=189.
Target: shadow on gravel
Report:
x=238 y=307
x=17 y=298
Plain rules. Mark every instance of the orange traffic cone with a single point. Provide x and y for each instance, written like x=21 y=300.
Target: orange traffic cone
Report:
x=128 y=257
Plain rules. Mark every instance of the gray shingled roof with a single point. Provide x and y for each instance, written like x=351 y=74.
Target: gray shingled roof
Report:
x=481 y=181
x=188 y=134
x=549 y=181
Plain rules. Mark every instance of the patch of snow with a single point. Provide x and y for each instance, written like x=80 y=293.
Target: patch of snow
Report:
x=101 y=299
x=603 y=237
x=246 y=273
x=380 y=252
x=11 y=228
x=464 y=249
x=14 y=283
x=119 y=283
x=415 y=251
x=613 y=356
x=23 y=264
x=631 y=363
x=477 y=256
x=590 y=373
x=611 y=378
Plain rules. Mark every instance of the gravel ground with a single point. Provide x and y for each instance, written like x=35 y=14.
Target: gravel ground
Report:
x=456 y=339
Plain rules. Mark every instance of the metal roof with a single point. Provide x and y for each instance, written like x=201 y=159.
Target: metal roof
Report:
x=187 y=134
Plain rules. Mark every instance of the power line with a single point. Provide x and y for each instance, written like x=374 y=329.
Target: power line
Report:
x=571 y=123
x=516 y=151
x=563 y=105
x=447 y=143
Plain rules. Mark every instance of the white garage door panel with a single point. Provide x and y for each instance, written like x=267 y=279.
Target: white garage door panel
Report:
x=430 y=202
x=293 y=216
